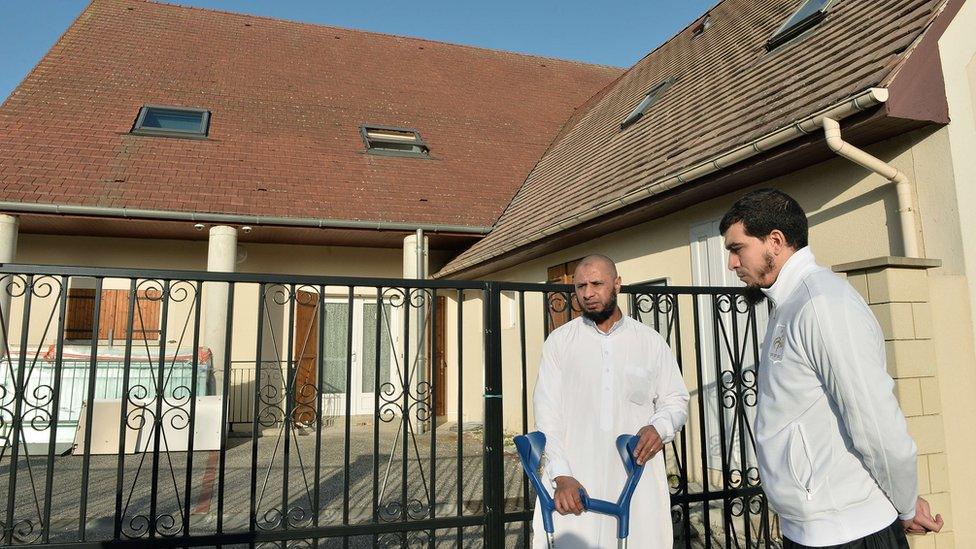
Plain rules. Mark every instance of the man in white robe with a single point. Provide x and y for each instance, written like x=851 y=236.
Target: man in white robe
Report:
x=603 y=375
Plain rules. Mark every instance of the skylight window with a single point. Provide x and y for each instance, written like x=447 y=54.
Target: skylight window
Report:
x=649 y=99
x=393 y=141
x=172 y=121
x=808 y=16
x=700 y=28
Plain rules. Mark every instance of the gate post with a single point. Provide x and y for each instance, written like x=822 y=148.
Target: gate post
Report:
x=494 y=476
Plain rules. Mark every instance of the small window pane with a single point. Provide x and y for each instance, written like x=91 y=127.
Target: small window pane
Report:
x=812 y=7
x=393 y=141
x=805 y=18
x=173 y=120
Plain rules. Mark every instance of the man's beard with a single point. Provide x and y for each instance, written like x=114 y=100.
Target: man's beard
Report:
x=598 y=317
x=754 y=293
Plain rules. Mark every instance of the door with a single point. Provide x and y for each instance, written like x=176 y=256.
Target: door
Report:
x=358 y=359
x=710 y=268
x=375 y=357
x=305 y=356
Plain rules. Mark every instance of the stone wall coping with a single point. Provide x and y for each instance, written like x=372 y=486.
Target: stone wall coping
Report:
x=888 y=261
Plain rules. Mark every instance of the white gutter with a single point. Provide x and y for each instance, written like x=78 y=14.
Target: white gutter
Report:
x=906 y=212
x=217 y=218
x=811 y=124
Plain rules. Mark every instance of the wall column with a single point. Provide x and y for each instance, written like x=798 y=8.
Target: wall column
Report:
x=897 y=290
x=8 y=251
x=221 y=257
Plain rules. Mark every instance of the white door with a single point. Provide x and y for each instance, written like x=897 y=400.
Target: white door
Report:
x=364 y=350
x=710 y=268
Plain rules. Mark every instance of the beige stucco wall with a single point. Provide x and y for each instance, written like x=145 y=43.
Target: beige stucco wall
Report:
x=952 y=307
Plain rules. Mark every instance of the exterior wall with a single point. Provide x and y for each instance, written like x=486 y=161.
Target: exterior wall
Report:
x=162 y=254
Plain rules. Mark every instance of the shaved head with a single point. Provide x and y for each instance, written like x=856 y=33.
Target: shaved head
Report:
x=601 y=260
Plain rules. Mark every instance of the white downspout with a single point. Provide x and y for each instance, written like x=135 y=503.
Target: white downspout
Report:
x=906 y=210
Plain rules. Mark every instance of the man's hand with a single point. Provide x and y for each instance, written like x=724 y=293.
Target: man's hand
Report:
x=567 y=496
x=650 y=444
x=923 y=522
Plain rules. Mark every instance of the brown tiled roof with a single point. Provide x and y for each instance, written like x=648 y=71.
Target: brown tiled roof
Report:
x=287 y=100
x=729 y=91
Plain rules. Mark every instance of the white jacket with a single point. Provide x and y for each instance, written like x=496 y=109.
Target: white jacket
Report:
x=835 y=457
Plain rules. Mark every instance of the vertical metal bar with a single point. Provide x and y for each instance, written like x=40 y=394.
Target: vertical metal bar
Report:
x=719 y=390
x=405 y=412
x=224 y=405
x=526 y=503
x=380 y=311
x=290 y=397
x=347 y=436
x=55 y=408
x=702 y=436
x=493 y=485
x=320 y=382
x=739 y=409
x=123 y=408
x=460 y=411
x=86 y=454
x=20 y=385
x=188 y=487
x=682 y=436
x=432 y=388
x=158 y=420
x=255 y=425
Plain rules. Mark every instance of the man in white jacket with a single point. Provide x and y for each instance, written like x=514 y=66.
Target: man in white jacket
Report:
x=835 y=457
x=603 y=375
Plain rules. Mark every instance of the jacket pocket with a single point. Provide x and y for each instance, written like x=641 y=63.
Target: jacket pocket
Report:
x=801 y=464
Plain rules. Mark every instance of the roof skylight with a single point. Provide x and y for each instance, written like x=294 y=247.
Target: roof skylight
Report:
x=805 y=18
x=649 y=99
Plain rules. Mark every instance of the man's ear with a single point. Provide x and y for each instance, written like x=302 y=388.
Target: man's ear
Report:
x=777 y=241
x=616 y=283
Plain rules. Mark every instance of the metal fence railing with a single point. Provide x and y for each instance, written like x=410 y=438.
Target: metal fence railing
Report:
x=278 y=410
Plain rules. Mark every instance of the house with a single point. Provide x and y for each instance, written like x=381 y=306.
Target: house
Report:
x=312 y=150
x=737 y=100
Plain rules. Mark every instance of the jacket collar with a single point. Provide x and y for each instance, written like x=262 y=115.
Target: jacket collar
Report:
x=796 y=268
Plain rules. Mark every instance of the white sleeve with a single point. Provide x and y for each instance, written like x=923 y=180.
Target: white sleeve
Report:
x=547 y=402
x=843 y=342
x=670 y=394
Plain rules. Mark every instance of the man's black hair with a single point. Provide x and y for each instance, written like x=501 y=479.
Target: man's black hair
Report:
x=761 y=211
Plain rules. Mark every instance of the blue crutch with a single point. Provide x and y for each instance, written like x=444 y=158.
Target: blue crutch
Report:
x=530 y=447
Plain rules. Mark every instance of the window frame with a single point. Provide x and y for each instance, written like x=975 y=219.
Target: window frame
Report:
x=650 y=98
x=203 y=132
x=371 y=148
x=791 y=29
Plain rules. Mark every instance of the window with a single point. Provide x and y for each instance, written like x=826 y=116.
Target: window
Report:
x=805 y=18
x=113 y=317
x=649 y=99
x=172 y=121
x=701 y=26
x=561 y=306
x=393 y=141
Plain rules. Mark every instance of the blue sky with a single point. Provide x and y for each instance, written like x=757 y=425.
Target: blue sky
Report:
x=614 y=32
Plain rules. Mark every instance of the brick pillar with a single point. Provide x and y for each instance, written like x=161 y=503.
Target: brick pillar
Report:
x=897 y=290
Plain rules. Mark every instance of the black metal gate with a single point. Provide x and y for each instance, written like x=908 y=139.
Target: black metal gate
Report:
x=184 y=408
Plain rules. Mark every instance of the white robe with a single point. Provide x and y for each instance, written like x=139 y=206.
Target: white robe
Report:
x=591 y=388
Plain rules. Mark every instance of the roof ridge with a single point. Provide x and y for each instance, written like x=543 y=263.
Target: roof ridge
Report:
x=370 y=32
